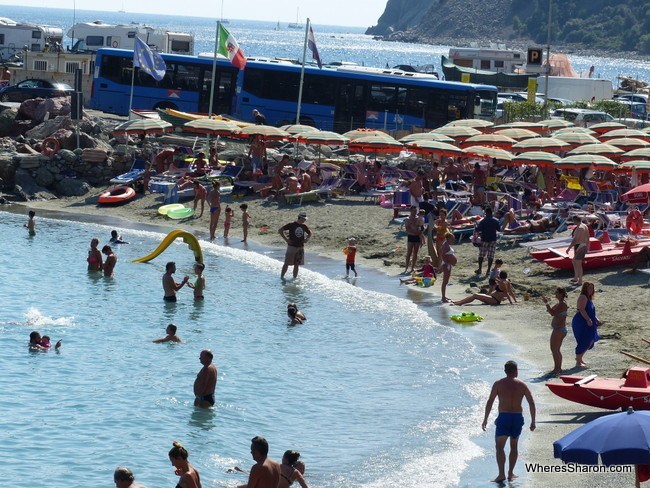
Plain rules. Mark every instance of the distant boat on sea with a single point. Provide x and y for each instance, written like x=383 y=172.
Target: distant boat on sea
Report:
x=297 y=24
x=277 y=27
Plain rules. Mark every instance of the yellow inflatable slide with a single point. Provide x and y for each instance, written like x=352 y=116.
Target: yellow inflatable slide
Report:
x=188 y=238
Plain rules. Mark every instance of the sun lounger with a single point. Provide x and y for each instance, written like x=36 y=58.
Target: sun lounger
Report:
x=327 y=186
x=299 y=198
x=231 y=172
x=401 y=201
x=345 y=186
x=134 y=174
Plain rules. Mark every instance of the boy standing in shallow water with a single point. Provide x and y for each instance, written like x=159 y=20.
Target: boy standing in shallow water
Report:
x=228 y=215
x=245 y=220
x=351 y=253
x=31 y=224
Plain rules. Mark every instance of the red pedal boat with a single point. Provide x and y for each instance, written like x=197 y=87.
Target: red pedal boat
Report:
x=600 y=255
x=611 y=393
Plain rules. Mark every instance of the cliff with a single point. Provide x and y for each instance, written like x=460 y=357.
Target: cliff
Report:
x=608 y=25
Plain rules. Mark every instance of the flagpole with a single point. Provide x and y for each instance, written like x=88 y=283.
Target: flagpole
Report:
x=302 y=71
x=132 y=83
x=214 y=66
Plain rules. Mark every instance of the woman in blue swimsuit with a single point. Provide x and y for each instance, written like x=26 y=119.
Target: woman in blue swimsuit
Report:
x=558 y=324
x=585 y=322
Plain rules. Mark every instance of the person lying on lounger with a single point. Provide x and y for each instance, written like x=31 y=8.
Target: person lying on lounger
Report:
x=513 y=226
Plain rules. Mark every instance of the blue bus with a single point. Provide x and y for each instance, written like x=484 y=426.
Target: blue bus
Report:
x=338 y=98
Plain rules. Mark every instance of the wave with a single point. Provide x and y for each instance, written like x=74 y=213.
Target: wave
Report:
x=36 y=318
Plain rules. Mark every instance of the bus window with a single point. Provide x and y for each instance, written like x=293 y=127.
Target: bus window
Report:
x=382 y=98
x=318 y=90
x=281 y=85
x=116 y=69
x=253 y=81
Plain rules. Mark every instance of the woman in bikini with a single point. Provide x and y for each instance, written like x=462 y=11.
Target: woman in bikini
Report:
x=442 y=228
x=447 y=261
x=214 y=201
x=94 y=256
x=291 y=470
x=558 y=324
x=189 y=477
x=199 y=285
x=502 y=291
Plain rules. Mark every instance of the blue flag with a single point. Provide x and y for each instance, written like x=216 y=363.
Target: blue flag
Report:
x=148 y=61
x=311 y=43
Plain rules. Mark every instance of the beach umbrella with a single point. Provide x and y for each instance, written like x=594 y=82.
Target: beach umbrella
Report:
x=434 y=147
x=266 y=132
x=496 y=140
x=489 y=152
x=575 y=139
x=295 y=129
x=618 y=438
x=548 y=144
x=556 y=123
x=580 y=161
x=628 y=143
x=457 y=132
x=143 y=126
x=426 y=136
x=517 y=134
x=214 y=127
x=597 y=148
x=538 y=158
x=641 y=166
x=356 y=133
x=323 y=137
x=616 y=133
x=534 y=126
x=638 y=195
x=606 y=127
x=475 y=123
x=643 y=153
x=583 y=130
x=373 y=144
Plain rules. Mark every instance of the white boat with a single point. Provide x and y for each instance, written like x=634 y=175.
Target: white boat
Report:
x=92 y=36
x=15 y=37
x=296 y=24
x=488 y=59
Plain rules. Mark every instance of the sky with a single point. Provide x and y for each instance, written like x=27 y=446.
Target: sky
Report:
x=363 y=13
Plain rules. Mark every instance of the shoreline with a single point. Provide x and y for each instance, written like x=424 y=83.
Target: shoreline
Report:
x=521 y=325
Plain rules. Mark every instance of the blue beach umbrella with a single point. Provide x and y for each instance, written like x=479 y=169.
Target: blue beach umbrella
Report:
x=619 y=438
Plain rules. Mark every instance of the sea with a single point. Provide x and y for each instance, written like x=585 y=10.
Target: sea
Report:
x=378 y=389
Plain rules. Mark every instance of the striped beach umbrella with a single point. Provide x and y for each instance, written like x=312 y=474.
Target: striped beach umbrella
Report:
x=628 y=143
x=606 y=127
x=266 y=132
x=373 y=144
x=426 y=136
x=556 y=123
x=575 y=139
x=548 y=144
x=580 y=161
x=457 y=132
x=639 y=166
x=434 y=147
x=214 y=127
x=496 y=140
x=295 y=129
x=143 y=126
x=617 y=133
x=534 y=126
x=598 y=148
x=357 y=133
x=643 y=153
x=489 y=152
x=323 y=137
x=537 y=158
x=475 y=123
x=565 y=130
x=517 y=134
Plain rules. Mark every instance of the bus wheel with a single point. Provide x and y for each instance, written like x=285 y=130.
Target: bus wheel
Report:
x=164 y=105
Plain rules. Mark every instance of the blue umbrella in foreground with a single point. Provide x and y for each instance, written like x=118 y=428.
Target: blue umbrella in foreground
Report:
x=620 y=438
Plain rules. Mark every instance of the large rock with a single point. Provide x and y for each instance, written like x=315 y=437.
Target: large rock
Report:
x=8 y=165
x=7 y=118
x=67 y=155
x=27 y=188
x=52 y=107
x=70 y=187
x=43 y=177
x=49 y=127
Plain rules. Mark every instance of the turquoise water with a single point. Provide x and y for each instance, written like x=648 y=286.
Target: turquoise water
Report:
x=335 y=43
x=371 y=390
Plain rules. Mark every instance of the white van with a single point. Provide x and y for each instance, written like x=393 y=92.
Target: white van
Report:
x=581 y=116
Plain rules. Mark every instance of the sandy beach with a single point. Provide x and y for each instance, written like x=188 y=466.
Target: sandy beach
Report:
x=621 y=300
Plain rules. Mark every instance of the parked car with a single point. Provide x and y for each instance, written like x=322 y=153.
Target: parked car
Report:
x=635 y=110
x=512 y=97
x=582 y=116
x=633 y=97
x=34 y=88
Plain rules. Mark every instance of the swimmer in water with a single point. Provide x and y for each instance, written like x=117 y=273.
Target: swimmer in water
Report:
x=116 y=238
x=94 y=256
x=31 y=224
x=38 y=343
x=295 y=316
x=199 y=284
x=171 y=335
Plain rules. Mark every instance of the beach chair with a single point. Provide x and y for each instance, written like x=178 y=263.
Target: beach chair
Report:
x=231 y=172
x=297 y=199
x=401 y=201
x=136 y=173
x=327 y=186
x=345 y=186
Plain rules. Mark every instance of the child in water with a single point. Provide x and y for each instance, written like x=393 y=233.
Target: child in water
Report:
x=38 y=343
x=245 y=220
x=229 y=214
x=31 y=224
x=295 y=315
x=351 y=253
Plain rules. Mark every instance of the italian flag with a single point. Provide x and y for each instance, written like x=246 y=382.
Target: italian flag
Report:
x=228 y=47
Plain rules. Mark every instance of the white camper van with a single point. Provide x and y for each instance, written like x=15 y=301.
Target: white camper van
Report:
x=91 y=36
x=16 y=37
x=576 y=89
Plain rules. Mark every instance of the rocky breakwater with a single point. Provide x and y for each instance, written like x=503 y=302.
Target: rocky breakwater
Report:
x=44 y=154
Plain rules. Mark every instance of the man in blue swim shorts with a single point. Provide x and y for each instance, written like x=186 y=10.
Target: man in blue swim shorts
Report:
x=511 y=392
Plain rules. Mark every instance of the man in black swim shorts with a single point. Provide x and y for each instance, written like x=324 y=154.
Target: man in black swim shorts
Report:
x=206 y=381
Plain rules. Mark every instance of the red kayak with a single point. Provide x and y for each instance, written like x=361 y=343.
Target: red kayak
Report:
x=600 y=255
x=633 y=390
